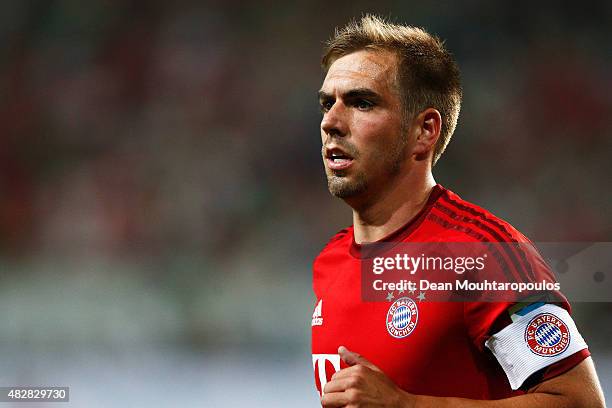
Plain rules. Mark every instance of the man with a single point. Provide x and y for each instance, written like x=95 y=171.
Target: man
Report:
x=390 y=103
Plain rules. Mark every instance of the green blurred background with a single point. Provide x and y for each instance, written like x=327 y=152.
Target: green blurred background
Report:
x=162 y=194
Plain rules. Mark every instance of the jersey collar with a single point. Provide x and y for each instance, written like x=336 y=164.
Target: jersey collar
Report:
x=368 y=251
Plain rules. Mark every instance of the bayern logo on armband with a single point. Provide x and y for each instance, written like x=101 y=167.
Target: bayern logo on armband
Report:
x=547 y=335
x=402 y=317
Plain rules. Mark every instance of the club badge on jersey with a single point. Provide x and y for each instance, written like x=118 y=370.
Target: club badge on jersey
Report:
x=402 y=317
x=538 y=337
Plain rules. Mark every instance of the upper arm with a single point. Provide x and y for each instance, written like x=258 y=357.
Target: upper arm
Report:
x=579 y=386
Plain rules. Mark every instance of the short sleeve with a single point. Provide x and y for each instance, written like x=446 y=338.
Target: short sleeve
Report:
x=532 y=337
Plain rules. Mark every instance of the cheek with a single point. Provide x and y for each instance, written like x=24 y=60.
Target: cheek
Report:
x=379 y=132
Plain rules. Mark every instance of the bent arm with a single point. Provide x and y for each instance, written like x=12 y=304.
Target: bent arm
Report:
x=578 y=387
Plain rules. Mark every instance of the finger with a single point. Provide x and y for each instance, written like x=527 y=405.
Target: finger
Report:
x=356 y=370
x=334 y=399
x=340 y=384
x=351 y=358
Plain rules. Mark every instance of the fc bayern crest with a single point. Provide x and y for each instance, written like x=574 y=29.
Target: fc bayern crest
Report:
x=402 y=317
x=547 y=335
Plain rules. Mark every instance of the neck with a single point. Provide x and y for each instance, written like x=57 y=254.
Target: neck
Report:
x=392 y=208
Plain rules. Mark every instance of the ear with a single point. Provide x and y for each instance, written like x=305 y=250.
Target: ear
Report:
x=426 y=125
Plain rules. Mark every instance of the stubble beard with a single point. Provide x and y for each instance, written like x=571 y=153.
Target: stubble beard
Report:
x=342 y=186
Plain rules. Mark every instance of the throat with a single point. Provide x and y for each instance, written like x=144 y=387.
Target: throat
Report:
x=386 y=216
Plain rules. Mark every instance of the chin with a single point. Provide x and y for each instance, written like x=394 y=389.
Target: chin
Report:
x=342 y=187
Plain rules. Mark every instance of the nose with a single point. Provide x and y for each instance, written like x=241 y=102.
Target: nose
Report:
x=334 y=122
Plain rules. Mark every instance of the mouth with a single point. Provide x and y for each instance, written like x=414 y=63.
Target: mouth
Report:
x=337 y=159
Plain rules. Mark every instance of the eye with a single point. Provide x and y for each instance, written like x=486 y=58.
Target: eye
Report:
x=364 y=105
x=325 y=106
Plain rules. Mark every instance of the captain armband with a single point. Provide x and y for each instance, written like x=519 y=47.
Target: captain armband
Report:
x=542 y=336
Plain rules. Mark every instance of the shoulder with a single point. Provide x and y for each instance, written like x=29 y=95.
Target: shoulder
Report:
x=336 y=249
x=340 y=239
x=516 y=258
x=473 y=221
x=335 y=253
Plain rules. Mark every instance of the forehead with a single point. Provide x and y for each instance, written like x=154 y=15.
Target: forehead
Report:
x=372 y=69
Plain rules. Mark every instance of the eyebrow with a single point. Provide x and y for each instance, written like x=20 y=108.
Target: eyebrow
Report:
x=351 y=94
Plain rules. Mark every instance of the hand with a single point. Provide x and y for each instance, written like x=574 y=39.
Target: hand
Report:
x=362 y=384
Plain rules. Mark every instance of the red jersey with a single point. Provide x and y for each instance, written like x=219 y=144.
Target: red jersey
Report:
x=455 y=349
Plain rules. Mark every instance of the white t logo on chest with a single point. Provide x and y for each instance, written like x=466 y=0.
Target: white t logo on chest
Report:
x=318 y=362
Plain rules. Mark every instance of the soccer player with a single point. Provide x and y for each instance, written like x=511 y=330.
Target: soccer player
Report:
x=390 y=103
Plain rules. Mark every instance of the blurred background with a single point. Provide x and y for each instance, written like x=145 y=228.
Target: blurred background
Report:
x=162 y=194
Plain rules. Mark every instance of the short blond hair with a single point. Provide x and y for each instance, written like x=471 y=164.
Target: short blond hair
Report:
x=428 y=74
